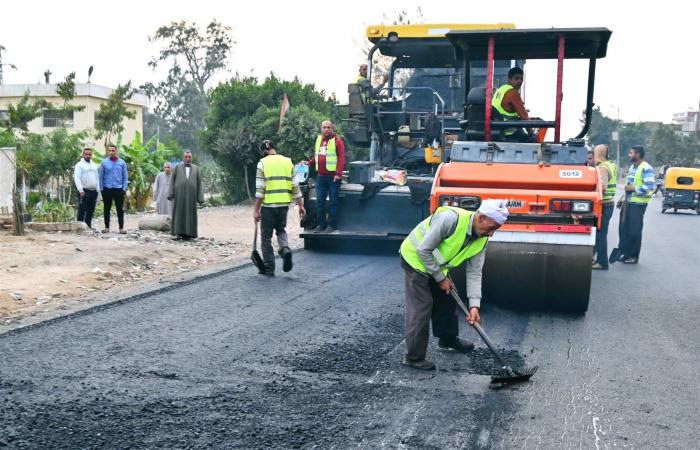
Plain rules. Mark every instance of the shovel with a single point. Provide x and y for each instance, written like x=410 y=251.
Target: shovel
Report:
x=254 y=255
x=509 y=374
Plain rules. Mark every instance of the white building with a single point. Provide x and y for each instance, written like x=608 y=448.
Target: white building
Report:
x=687 y=120
x=89 y=95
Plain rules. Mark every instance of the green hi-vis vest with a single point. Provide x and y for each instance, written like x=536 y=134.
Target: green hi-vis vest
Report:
x=451 y=252
x=609 y=192
x=359 y=81
x=497 y=102
x=331 y=156
x=277 y=170
x=638 y=183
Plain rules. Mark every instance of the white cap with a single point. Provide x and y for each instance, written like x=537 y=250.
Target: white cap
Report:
x=495 y=209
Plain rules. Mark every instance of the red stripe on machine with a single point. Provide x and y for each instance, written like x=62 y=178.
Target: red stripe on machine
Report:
x=563 y=228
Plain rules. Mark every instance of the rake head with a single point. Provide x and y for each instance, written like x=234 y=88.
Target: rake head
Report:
x=514 y=376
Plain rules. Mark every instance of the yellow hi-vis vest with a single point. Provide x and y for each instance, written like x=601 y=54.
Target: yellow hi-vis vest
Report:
x=331 y=156
x=359 y=80
x=638 y=183
x=497 y=102
x=609 y=192
x=451 y=252
x=277 y=170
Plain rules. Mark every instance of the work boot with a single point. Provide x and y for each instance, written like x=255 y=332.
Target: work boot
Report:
x=598 y=266
x=286 y=258
x=420 y=364
x=456 y=344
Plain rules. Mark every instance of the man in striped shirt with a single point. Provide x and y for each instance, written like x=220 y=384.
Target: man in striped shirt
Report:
x=640 y=185
x=275 y=189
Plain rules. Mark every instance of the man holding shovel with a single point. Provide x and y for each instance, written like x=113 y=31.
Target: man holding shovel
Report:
x=274 y=191
x=438 y=244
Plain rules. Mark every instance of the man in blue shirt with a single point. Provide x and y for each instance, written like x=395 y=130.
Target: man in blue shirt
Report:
x=114 y=179
x=640 y=185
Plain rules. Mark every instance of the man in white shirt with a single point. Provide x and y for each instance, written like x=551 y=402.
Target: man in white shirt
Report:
x=87 y=181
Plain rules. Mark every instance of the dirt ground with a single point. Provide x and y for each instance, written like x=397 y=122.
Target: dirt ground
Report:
x=41 y=272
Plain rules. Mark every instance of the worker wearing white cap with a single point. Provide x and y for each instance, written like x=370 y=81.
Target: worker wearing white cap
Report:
x=438 y=244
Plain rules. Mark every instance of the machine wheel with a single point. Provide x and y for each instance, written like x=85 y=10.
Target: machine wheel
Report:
x=663 y=210
x=675 y=210
x=697 y=211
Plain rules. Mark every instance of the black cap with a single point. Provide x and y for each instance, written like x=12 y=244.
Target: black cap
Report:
x=265 y=146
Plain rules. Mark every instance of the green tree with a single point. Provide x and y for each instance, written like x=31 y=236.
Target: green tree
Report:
x=19 y=115
x=235 y=150
x=667 y=146
x=195 y=56
x=66 y=90
x=145 y=161
x=601 y=129
x=243 y=112
x=109 y=119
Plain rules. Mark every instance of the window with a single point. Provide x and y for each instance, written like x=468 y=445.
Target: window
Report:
x=684 y=181
x=52 y=119
x=4 y=114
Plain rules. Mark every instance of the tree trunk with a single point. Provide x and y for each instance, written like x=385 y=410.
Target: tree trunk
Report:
x=24 y=188
x=245 y=178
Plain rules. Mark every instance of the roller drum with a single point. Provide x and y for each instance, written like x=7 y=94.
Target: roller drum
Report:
x=527 y=276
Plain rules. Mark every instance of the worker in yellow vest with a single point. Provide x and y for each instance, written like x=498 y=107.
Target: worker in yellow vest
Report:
x=362 y=77
x=438 y=244
x=329 y=161
x=640 y=185
x=275 y=189
x=508 y=105
x=607 y=177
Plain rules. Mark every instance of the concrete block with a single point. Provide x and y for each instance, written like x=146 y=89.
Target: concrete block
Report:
x=159 y=222
x=79 y=227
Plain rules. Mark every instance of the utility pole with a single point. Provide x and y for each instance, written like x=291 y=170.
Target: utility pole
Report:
x=2 y=49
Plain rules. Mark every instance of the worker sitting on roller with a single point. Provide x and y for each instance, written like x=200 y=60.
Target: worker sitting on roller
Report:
x=508 y=105
x=438 y=244
x=364 y=83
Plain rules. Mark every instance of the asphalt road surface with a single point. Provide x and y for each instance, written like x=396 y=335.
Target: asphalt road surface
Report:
x=311 y=359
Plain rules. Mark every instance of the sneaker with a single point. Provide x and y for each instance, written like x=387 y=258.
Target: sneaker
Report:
x=598 y=266
x=317 y=229
x=420 y=364
x=630 y=260
x=287 y=259
x=330 y=229
x=105 y=230
x=122 y=231
x=456 y=344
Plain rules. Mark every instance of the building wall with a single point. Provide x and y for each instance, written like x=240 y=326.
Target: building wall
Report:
x=7 y=179
x=91 y=96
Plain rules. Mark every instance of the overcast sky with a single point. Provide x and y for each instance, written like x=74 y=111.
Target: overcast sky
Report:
x=649 y=74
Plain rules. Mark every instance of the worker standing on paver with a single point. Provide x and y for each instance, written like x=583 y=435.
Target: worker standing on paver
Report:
x=438 y=244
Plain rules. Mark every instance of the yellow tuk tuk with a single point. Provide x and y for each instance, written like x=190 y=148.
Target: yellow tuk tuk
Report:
x=682 y=189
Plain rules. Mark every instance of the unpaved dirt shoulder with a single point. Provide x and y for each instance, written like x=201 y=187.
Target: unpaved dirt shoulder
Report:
x=44 y=275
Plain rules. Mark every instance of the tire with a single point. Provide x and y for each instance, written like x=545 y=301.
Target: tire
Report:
x=675 y=210
x=663 y=210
